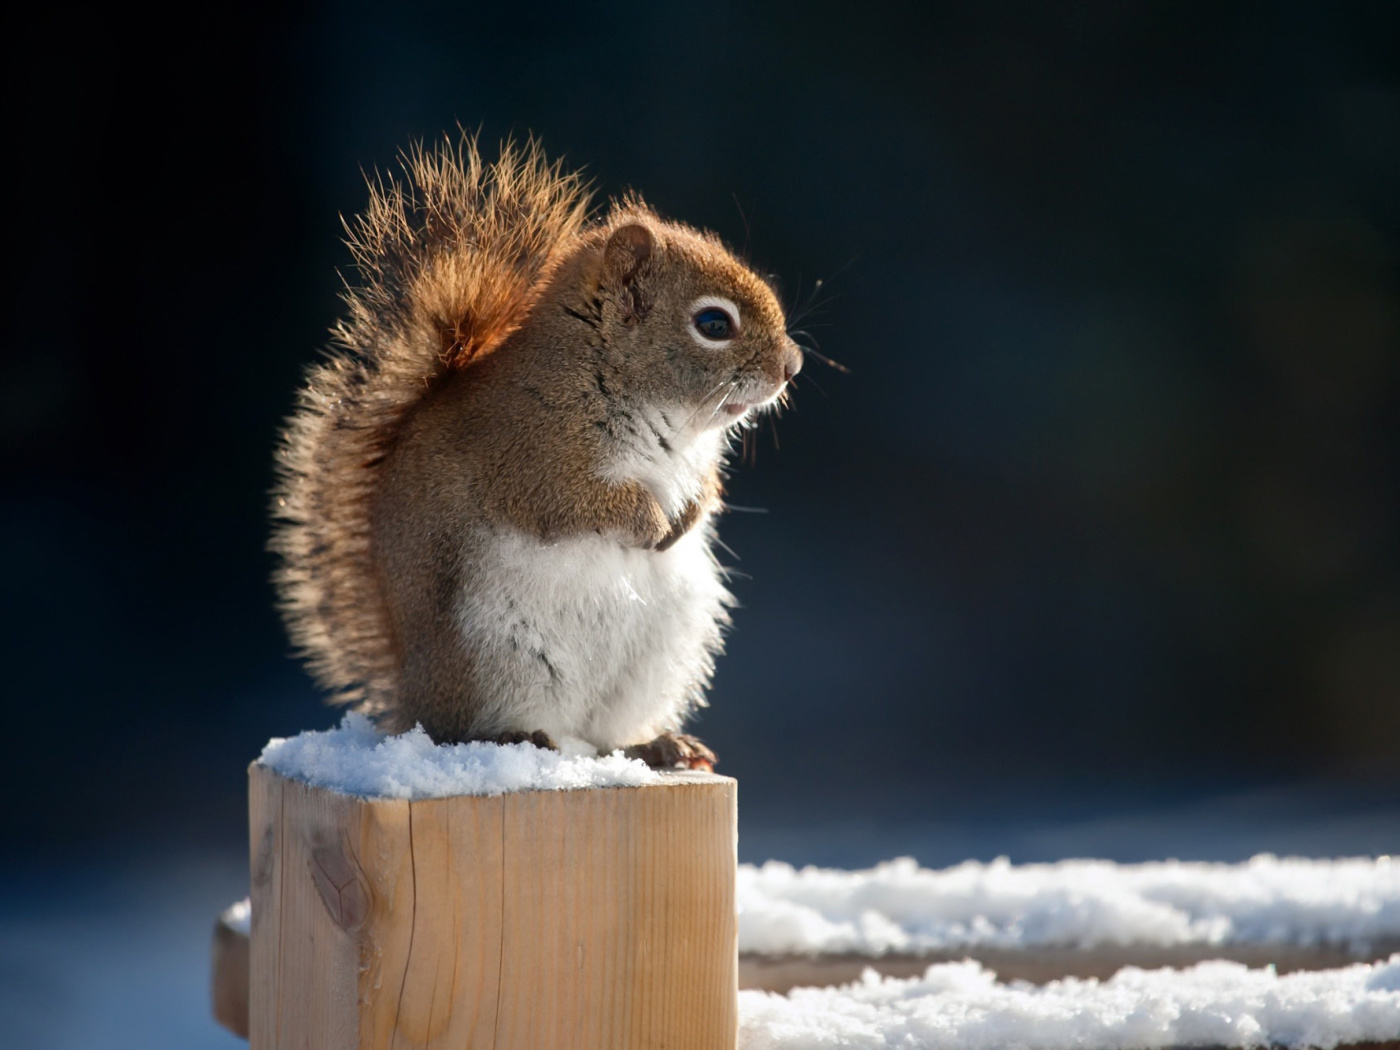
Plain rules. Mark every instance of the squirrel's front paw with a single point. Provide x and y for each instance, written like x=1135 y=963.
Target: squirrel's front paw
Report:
x=689 y=516
x=649 y=526
x=674 y=751
x=539 y=738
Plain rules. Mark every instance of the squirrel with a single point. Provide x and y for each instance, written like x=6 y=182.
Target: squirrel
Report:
x=496 y=496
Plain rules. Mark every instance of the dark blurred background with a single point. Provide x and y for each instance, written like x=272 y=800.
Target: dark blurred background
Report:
x=1101 y=532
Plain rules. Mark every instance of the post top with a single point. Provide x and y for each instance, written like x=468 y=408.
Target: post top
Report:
x=356 y=759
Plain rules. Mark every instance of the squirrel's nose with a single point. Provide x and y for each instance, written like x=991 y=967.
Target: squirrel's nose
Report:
x=792 y=362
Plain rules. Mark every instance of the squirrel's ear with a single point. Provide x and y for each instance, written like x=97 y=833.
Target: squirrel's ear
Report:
x=625 y=258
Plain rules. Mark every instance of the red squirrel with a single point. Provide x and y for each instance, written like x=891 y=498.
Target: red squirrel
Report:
x=496 y=496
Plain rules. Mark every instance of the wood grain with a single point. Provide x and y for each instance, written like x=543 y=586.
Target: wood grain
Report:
x=570 y=919
x=1039 y=965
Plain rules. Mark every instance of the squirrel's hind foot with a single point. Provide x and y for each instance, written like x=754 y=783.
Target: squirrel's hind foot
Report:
x=674 y=751
x=539 y=738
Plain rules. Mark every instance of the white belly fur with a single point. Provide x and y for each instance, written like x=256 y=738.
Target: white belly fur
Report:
x=589 y=639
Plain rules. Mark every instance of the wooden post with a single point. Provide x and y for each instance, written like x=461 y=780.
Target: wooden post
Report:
x=599 y=918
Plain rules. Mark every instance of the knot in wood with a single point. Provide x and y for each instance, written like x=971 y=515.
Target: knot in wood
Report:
x=341 y=883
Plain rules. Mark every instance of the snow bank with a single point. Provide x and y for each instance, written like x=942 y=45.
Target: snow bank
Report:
x=961 y=1007
x=899 y=907
x=356 y=759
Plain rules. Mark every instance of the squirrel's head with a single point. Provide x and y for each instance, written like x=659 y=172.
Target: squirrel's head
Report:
x=685 y=321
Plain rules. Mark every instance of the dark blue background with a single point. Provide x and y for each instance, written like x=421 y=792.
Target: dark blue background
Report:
x=1105 y=516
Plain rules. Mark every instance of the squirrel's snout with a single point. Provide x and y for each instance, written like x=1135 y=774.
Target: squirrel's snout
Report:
x=792 y=361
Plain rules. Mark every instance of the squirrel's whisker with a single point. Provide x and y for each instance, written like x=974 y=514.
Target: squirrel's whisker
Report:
x=829 y=362
x=713 y=390
x=810 y=379
x=722 y=401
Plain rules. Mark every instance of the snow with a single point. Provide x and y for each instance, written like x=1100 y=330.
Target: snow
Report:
x=960 y=1006
x=899 y=907
x=356 y=759
x=238 y=917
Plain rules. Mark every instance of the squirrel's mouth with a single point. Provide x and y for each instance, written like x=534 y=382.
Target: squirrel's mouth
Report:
x=753 y=396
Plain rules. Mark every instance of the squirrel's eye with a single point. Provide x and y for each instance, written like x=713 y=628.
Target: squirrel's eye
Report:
x=714 y=320
x=714 y=323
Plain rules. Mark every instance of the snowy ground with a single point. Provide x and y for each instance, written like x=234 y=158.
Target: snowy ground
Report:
x=900 y=907
x=960 y=1006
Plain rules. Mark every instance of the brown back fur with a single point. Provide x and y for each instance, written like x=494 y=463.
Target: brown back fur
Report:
x=450 y=261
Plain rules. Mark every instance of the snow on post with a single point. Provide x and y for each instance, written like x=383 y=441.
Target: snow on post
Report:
x=479 y=895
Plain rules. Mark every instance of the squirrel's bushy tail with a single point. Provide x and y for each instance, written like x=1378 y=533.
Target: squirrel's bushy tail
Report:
x=451 y=258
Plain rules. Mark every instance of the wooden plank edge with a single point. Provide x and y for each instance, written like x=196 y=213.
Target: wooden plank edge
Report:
x=229 y=990
x=780 y=973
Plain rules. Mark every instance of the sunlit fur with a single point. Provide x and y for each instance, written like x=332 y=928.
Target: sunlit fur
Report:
x=449 y=264
x=495 y=496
